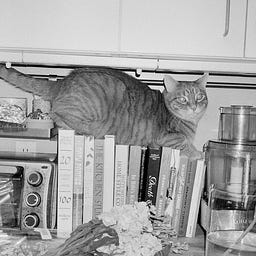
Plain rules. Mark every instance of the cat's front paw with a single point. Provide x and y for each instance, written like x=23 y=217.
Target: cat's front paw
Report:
x=196 y=155
x=193 y=154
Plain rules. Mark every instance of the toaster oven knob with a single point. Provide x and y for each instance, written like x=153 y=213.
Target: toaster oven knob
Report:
x=31 y=220
x=33 y=199
x=35 y=179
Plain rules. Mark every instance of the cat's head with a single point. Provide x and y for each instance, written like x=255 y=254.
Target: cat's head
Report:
x=186 y=99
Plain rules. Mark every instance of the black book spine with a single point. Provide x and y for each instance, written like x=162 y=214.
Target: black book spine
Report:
x=152 y=167
x=142 y=175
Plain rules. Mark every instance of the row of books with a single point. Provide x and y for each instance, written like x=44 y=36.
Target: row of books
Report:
x=96 y=174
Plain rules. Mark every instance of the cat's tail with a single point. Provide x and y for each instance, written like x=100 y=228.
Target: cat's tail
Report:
x=40 y=87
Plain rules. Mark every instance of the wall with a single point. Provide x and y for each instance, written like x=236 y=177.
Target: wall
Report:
x=208 y=126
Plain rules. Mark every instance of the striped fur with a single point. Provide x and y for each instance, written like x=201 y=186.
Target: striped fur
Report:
x=99 y=101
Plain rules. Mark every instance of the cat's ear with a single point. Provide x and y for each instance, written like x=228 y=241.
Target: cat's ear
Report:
x=170 y=83
x=203 y=80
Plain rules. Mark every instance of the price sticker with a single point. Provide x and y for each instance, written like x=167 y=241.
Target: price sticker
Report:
x=66 y=160
x=65 y=200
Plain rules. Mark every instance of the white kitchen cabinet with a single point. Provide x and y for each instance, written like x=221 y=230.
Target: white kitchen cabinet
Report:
x=70 y=25
x=250 y=45
x=181 y=27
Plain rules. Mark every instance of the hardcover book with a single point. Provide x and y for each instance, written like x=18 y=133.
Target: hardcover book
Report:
x=109 y=172
x=65 y=182
x=133 y=174
x=78 y=181
x=98 y=177
x=187 y=194
x=164 y=178
x=141 y=195
x=152 y=167
x=121 y=171
x=195 y=198
x=88 y=178
x=175 y=162
x=179 y=192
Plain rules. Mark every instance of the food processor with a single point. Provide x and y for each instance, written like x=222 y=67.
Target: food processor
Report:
x=231 y=159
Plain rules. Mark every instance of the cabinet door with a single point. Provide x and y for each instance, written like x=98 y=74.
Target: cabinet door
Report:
x=250 y=46
x=182 y=27
x=69 y=25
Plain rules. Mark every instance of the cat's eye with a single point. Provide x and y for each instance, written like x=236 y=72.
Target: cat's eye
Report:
x=200 y=97
x=182 y=100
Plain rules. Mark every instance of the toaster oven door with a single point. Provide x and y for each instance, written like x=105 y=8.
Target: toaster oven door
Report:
x=10 y=193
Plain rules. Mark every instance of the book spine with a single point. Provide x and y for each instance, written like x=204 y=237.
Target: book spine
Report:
x=189 y=182
x=175 y=162
x=142 y=174
x=78 y=181
x=121 y=170
x=88 y=178
x=133 y=174
x=109 y=172
x=195 y=198
x=179 y=192
x=98 y=177
x=153 y=160
x=65 y=182
x=164 y=177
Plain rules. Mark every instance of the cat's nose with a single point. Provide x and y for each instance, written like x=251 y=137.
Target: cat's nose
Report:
x=193 y=107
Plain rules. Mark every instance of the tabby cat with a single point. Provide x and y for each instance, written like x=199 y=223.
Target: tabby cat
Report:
x=99 y=101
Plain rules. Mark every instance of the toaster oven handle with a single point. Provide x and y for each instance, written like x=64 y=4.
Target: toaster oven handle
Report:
x=6 y=169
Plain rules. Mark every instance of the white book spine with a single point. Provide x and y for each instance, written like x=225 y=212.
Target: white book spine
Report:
x=133 y=178
x=175 y=164
x=121 y=171
x=109 y=172
x=78 y=181
x=98 y=177
x=88 y=178
x=65 y=182
x=195 y=198
x=163 y=181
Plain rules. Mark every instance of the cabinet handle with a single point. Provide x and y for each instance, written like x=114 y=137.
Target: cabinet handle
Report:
x=227 y=18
